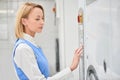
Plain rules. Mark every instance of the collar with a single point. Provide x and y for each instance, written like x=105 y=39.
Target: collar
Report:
x=29 y=38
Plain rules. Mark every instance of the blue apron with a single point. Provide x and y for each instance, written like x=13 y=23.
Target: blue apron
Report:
x=40 y=58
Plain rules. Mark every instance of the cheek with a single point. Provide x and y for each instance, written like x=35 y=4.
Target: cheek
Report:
x=31 y=24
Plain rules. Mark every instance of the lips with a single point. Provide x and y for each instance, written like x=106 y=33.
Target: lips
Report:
x=40 y=27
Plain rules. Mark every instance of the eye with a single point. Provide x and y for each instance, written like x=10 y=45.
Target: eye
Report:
x=37 y=19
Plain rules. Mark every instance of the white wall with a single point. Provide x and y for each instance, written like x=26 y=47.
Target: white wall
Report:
x=6 y=45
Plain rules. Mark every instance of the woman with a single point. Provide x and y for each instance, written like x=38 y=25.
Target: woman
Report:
x=29 y=60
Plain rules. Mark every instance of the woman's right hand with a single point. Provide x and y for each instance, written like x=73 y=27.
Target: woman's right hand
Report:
x=76 y=58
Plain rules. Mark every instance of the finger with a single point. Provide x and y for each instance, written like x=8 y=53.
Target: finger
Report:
x=76 y=50
x=80 y=49
x=80 y=52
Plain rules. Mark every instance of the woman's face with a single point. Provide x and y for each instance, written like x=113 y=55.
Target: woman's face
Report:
x=35 y=21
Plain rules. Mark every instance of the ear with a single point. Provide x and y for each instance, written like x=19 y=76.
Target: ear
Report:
x=24 y=21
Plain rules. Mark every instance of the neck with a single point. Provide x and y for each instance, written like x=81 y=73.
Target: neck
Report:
x=30 y=33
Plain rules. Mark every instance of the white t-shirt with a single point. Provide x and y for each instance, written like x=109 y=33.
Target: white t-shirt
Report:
x=25 y=59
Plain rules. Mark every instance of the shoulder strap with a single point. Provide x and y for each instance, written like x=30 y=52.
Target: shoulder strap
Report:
x=18 y=41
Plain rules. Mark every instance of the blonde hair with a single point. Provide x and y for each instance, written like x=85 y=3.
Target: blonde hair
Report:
x=23 y=12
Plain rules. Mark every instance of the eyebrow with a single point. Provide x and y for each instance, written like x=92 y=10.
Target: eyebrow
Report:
x=39 y=16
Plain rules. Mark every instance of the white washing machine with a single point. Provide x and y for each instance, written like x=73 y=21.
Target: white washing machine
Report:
x=101 y=39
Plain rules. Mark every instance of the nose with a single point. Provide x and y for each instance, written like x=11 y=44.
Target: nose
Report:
x=42 y=22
